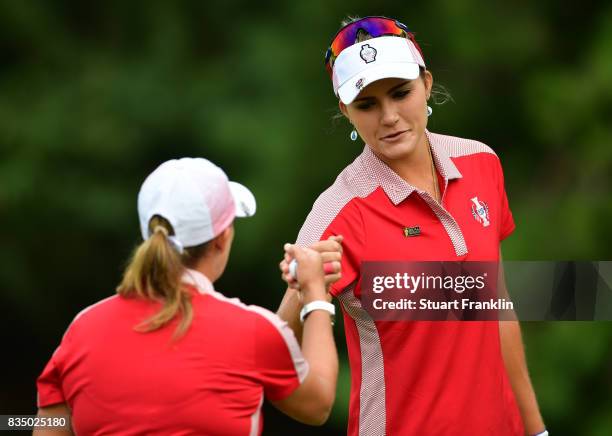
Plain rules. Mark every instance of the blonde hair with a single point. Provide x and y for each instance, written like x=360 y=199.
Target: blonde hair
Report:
x=155 y=273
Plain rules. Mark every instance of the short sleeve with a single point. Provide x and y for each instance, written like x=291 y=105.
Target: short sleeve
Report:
x=279 y=363
x=349 y=224
x=49 y=383
x=337 y=212
x=507 y=225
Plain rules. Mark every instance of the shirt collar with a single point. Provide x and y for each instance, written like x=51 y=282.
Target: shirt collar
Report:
x=198 y=280
x=396 y=188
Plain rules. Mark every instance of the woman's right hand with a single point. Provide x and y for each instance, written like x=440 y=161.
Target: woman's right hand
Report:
x=310 y=277
x=331 y=255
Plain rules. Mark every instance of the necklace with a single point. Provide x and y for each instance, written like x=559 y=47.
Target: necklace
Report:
x=433 y=174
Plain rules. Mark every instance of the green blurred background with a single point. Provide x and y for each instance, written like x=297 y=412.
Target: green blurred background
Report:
x=95 y=95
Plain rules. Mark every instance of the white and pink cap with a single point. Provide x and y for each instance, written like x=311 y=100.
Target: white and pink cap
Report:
x=373 y=59
x=196 y=197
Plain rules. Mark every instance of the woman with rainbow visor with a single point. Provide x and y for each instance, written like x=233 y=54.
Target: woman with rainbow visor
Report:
x=414 y=195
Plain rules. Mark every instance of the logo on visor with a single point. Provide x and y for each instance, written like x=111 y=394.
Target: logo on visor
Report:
x=368 y=53
x=480 y=211
x=245 y=209
x=359 y=84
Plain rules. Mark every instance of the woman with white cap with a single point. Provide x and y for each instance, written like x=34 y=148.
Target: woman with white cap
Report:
x=413 y=195
x=170 y=355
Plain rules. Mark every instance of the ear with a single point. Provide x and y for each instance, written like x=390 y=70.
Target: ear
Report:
x=343 y=109
x=224 y=238
x=428 y=82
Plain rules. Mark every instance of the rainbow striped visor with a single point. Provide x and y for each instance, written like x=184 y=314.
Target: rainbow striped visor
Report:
x=355 y=65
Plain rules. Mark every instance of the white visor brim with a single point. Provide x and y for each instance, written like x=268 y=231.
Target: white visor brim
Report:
x=352 y=87
x=243 y=199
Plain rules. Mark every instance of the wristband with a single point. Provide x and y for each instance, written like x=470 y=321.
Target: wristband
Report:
x=544 y=433
x=318 y=305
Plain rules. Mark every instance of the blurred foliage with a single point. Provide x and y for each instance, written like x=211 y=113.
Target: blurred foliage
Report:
x=96 y=95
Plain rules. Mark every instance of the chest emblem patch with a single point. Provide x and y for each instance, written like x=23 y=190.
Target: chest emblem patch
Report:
x=412 y=231
x=480 y=211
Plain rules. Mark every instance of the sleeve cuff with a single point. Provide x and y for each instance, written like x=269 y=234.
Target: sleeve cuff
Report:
x=507 y=232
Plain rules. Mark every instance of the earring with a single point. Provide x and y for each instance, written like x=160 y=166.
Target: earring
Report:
x=353 y=135
x=429 y=110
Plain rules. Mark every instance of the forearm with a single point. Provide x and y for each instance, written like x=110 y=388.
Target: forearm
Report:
x=54 y=411
x=289 y=311
x=516 y=367
x=319 y=350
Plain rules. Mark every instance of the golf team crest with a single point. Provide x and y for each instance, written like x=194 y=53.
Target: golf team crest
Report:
x=368 y=53
x=480 y=211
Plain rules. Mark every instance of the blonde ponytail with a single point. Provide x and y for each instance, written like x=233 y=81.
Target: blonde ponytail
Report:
x=155 y=272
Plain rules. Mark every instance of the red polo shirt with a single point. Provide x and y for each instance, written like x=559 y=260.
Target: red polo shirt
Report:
x=425 y=377
x=212 y=381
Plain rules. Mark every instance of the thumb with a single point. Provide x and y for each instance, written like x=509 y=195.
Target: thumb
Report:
x=291 y=250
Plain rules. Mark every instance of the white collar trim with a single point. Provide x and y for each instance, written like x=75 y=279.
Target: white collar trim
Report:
x=199 y=280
